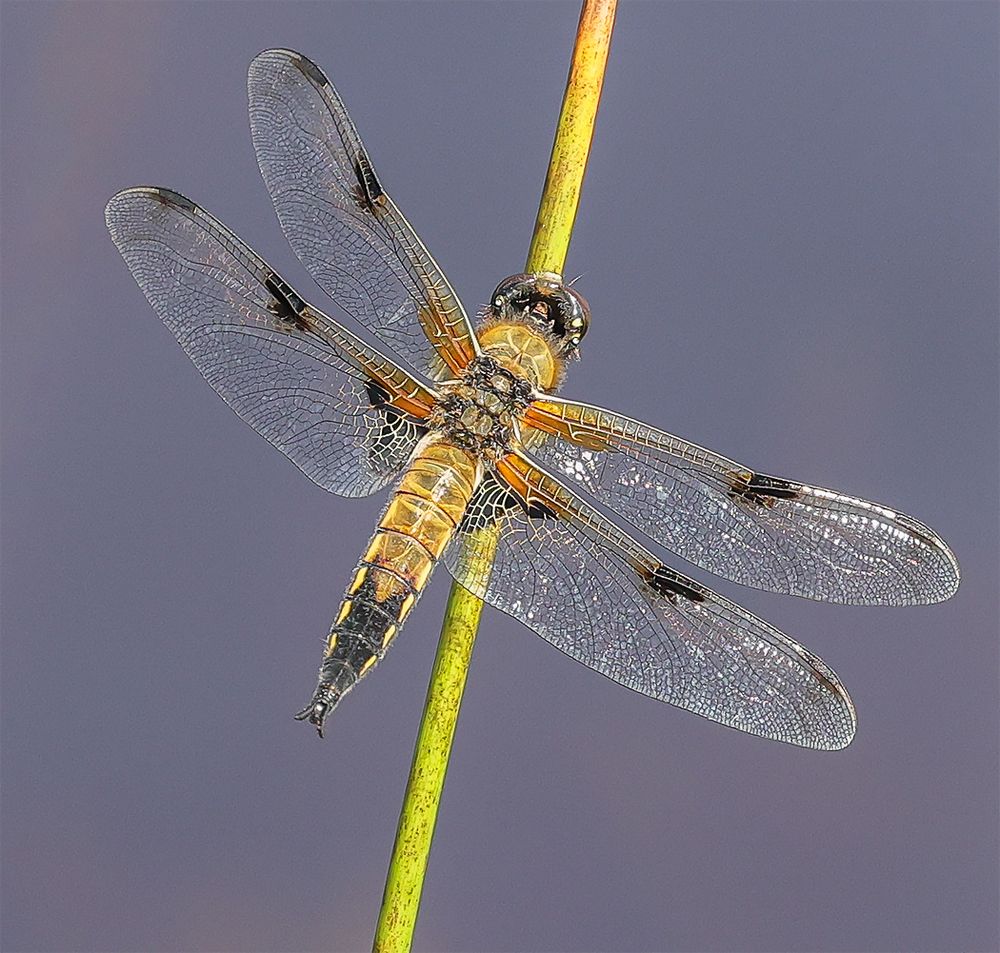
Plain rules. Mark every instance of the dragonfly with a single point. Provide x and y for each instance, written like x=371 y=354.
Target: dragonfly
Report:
x=491 y=472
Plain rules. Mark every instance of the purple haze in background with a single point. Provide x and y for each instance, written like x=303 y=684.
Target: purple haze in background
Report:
x=788 y=237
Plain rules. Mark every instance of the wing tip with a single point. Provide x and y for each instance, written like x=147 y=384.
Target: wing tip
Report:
x=850 y=728
x=947 y=574
x=299 y=61
x=953 y=573
x=161 y=194
x=121 y=200
x=843 y=714
x=840 y=743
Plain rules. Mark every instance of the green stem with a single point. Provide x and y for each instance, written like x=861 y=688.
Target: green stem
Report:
x=405 y=881
x=549 y=245
x=568 y=162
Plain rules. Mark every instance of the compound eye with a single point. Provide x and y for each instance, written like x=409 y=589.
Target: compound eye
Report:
x=509 y=291
x=577 y=316
x=544 y=299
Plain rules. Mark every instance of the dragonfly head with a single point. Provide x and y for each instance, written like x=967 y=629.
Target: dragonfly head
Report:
x=543 y=300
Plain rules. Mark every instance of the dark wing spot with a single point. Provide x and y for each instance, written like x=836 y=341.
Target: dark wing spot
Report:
x=665 y=582
x=498 y=501
x=533 y=508
x=369 y=190
x=311 y=71
x=378 y=396
x=170 y=197
x=761 y=490
x=773 y=486
x=382 y=447
x=286 y=305
x=537 y=510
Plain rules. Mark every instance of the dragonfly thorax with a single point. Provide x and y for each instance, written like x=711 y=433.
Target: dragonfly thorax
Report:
x=479 y=411
x=525 y=350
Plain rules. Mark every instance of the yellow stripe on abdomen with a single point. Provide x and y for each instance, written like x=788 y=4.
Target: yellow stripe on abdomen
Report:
x=414 y=530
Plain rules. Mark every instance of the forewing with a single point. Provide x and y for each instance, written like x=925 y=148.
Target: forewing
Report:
x=596 y=594
x=344 y=414
x=341 y=223
x=757 y=530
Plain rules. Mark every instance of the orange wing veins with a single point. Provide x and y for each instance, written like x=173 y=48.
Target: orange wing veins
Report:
x=576 y=423
x=397 y=388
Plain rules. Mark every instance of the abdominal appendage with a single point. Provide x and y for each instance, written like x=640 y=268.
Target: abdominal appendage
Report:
x=412 y=534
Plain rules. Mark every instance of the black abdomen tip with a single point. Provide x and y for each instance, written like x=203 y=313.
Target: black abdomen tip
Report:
x=324 y=700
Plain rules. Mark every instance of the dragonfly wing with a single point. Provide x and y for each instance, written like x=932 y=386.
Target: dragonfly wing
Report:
x=341 y=223
x=599 y=596
x=344 y=414
x=757 y=530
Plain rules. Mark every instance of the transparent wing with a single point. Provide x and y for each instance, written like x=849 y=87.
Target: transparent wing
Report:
x=757 y=530
x=341 y=223
x=344 y=414
x=596 y=594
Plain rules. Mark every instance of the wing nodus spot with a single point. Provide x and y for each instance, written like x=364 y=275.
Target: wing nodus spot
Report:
x=665 y=582
x=286 y=305
x=759 y=489
x=369 y=190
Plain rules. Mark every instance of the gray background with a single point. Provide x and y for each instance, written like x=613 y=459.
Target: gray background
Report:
x=789 y=241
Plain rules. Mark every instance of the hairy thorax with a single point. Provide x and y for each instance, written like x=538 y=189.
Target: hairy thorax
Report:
x=479 y=411
x=525 y=351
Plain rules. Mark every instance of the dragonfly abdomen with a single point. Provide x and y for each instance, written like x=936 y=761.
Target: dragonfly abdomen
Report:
x=418 y=523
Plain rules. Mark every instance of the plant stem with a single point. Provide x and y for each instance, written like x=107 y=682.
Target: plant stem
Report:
x=564 y=180
x=405 y=881
x=549 y=245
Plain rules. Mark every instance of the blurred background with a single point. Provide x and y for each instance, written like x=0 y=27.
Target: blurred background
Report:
x=788 y=237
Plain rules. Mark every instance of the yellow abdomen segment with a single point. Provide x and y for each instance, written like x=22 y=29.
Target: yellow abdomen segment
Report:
x=424 y=511
x=419 y=521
